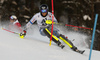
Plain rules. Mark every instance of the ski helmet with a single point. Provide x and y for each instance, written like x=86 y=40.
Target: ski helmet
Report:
x=13 y=17
x=43 y=8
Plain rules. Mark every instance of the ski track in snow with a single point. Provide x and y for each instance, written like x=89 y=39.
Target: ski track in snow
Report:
x=36 y=47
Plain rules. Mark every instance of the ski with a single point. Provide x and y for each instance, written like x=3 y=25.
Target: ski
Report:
x=80 y=51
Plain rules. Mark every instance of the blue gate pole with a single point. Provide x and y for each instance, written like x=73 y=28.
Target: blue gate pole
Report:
x=93 y=35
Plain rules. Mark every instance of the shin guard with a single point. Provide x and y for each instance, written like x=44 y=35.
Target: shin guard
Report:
x=68 y=42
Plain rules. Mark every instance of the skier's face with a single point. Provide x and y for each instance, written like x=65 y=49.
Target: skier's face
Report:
x=44 y=14
x=11 y=21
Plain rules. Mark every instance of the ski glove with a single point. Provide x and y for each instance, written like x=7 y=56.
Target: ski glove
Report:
x=49 y=22
x=22 y=34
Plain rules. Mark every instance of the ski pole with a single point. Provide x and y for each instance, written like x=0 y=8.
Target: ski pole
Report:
x=78 y=26
x=50 y=22
x=74 y=26
x=10 y=31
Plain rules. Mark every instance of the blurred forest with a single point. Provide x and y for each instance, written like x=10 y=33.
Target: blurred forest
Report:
x=72 y=12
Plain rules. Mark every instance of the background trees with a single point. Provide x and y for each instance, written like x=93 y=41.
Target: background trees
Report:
x=66 y=11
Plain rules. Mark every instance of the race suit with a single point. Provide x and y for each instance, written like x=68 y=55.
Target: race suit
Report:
x=16 y=26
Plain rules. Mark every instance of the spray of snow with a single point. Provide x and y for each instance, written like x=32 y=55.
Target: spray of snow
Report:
x=78 y=39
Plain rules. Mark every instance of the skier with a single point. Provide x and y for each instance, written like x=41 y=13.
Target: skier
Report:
x=42 y=19
x=14 y=24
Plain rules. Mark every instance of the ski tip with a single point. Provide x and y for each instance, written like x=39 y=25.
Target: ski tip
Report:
x=82 y=51
x=62 y=46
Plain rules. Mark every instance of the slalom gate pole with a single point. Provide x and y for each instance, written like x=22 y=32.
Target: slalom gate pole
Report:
x=93 y=35
x=52 y=22
x=10 y=31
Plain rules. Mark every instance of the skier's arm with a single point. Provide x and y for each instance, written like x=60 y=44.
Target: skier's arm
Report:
x=23 y=33
x=30 y=23
x=50 y=21
x=55 y=20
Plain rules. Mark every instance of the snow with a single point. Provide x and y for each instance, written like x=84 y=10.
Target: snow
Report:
x=36 y=47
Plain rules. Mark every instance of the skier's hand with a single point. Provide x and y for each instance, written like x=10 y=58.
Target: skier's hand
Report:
x=49 y=22
x=22 y=34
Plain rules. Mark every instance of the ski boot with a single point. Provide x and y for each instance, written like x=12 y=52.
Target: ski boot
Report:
x=61 y=45
x=76 y=50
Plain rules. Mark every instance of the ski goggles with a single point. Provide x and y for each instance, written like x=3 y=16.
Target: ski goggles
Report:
x=13 y=19
x=43 y=11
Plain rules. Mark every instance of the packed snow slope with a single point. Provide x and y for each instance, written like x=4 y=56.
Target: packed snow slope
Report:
x=36 y=47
